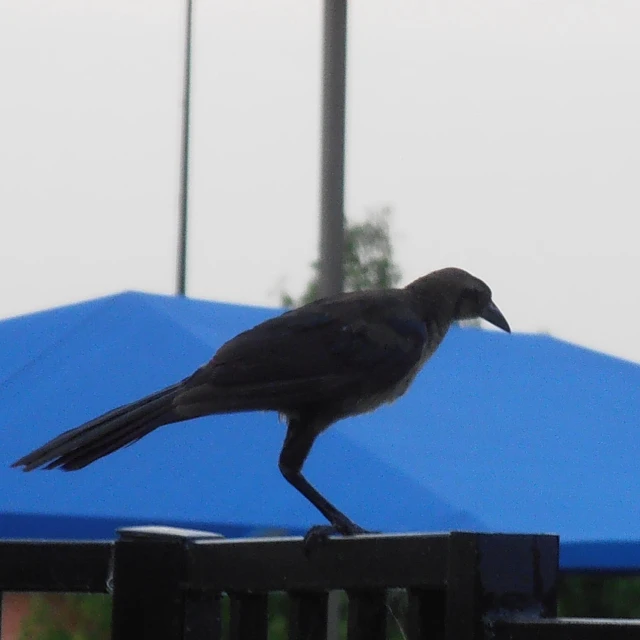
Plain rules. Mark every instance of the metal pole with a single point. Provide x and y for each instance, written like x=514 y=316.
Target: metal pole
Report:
x=184 y=159
x=333 y=127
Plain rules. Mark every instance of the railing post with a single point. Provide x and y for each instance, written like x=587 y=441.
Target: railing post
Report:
x=493 y=575
x=149 y=598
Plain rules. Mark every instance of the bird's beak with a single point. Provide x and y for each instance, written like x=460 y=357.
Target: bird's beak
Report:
x=493 y=315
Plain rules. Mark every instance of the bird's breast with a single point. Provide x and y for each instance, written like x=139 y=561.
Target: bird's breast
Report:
x=371 y=402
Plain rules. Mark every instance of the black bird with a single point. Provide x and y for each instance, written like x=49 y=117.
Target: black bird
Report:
x=339 y=356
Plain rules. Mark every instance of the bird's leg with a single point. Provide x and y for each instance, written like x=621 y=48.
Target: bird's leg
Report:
x=297 y=444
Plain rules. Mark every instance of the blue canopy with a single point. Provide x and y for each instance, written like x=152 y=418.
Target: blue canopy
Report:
x=61 y=367
x=504 y=433
x=529 y=433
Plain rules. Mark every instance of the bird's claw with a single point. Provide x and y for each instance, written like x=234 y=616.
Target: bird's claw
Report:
x=319 y=534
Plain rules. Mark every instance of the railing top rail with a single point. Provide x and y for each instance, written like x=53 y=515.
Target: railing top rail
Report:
x=43 y=565
x=211 y=563
x=368 y=562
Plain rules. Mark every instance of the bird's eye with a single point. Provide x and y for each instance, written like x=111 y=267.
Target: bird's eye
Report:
x=482 y=297
x=469 y=302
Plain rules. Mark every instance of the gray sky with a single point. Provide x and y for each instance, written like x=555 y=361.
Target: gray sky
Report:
x=505 y=135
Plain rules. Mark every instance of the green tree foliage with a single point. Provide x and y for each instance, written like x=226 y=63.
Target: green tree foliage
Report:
x=599 y=596
x=368 y=259
x=68 y=617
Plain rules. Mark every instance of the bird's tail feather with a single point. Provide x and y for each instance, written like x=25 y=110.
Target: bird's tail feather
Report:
x=97 y=438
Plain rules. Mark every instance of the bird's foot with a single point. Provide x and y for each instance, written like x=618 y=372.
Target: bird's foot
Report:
x=319 y=534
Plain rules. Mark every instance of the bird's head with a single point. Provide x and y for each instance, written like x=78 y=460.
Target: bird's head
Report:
x=454 y=294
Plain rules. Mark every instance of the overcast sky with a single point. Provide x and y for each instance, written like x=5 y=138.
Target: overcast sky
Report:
x=505 y=134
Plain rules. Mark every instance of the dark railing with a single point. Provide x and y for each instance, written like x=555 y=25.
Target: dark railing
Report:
x=167 y=584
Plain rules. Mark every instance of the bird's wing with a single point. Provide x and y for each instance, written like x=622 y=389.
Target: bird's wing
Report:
x=309 y=355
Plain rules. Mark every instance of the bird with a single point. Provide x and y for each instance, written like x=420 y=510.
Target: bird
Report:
x=333 y=358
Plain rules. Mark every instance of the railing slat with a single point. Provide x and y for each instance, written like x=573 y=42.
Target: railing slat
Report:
x=426 y=615
x=367 y=615
x=308 y=615
x=249 y=616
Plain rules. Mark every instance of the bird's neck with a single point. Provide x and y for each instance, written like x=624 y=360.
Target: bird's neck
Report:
x=435 y=307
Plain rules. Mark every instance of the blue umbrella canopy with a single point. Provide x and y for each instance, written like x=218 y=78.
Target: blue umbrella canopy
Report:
x=530 y=434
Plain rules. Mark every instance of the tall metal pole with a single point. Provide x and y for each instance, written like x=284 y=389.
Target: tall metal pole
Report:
x=184 y=159
x=333 y=128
